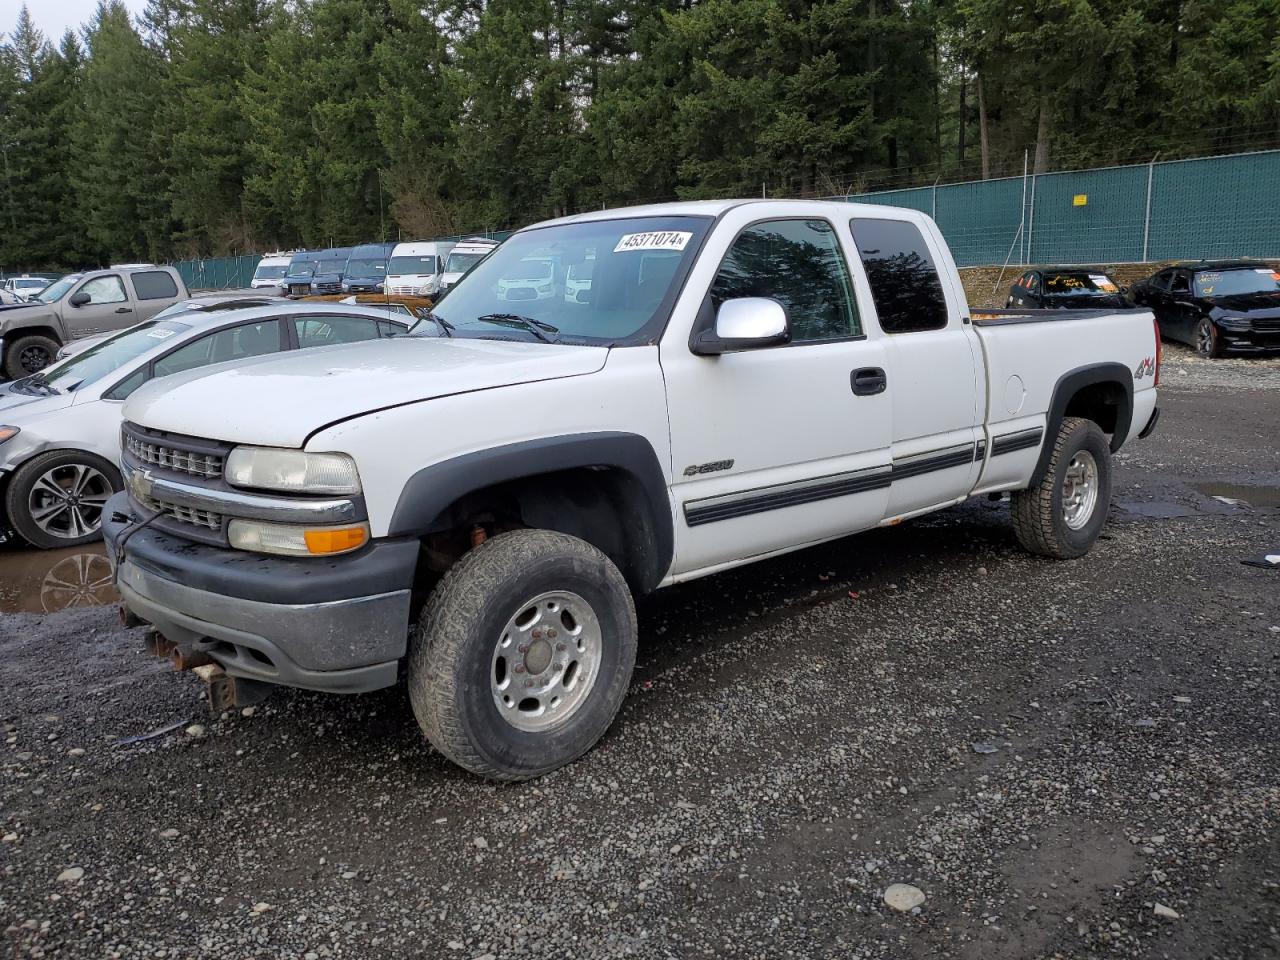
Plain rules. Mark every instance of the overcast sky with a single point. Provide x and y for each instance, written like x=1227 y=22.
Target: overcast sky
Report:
x=54 y=16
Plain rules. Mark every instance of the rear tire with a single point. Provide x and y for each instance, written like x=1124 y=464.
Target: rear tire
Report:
x=57 y=499
x=24 y=356
x=1062 y=515
x=527 y=624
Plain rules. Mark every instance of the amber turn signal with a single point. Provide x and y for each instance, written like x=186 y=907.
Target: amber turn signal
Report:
x=336 y=539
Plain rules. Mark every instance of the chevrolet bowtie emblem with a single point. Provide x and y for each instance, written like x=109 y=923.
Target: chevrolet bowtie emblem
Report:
x=141 y=483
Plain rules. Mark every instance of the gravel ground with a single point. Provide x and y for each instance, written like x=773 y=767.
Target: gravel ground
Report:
x=1067 y=759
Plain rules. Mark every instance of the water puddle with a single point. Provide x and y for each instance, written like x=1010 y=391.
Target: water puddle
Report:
x=46 y=581
x=1215 y=499
x=1253 y=496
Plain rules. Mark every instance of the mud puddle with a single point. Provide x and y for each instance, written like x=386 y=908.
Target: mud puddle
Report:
x=46 y=581
x=1250 y=495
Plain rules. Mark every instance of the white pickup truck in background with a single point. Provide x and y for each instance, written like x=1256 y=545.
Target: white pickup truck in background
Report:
x=738 y=379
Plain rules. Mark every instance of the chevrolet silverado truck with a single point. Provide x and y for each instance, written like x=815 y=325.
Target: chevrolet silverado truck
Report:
x=83 y=305
x=473 y=506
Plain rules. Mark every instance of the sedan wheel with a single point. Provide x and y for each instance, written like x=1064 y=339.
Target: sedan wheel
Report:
x=57 y=499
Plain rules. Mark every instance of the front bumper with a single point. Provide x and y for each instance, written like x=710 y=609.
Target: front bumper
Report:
x=339 y=625
x=1252 y=341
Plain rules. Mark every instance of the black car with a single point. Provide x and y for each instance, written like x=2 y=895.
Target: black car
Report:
x=1067 y=288
x=1216 y=306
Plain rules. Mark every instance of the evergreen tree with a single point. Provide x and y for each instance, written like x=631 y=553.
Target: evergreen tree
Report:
x=117 y=175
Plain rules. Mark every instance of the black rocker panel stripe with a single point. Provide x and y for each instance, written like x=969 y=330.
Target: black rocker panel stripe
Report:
x=776 y=499
x=1016 y=441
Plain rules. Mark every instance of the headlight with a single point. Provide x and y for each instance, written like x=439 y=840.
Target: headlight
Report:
x=295 y=541
x=8 y=433
x=294 y=471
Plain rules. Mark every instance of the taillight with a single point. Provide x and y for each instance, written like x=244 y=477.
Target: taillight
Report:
x=1156 y=326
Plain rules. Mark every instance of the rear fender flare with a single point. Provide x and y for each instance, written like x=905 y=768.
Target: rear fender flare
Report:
x=1068 y=385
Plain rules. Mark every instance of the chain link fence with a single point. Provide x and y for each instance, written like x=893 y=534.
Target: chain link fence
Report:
x=1175 y=210
x=1172 y=210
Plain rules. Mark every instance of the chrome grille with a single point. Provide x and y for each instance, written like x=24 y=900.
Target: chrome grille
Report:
x=206 y=465
x=205 y=519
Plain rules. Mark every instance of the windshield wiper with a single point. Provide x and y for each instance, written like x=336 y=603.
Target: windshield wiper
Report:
x=536 y=327
x=37 y=386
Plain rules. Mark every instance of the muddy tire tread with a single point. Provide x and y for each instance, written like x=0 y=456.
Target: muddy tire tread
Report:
x=1033 y=510
x=478 y=574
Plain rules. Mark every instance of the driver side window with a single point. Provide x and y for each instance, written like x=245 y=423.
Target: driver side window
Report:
x=799 y=264
x=1181 y=283
x=105 y=290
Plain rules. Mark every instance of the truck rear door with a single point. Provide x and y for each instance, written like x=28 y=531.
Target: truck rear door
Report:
x=936 y=383
x=153 y=290
x=783 y=445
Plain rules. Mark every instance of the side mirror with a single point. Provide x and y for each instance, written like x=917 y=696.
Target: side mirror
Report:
x=80 y=299
x=744 y=324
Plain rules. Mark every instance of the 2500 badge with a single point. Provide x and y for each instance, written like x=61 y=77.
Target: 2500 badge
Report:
x=715 y=466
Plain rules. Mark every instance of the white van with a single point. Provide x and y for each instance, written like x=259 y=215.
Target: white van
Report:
x=271 y=270
x=414 y=269
x=463 y=257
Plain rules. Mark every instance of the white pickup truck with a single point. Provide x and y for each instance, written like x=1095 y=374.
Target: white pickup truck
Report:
x=474 y=505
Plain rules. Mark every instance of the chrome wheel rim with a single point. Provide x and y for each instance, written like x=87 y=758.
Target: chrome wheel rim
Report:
x=1080 y=490
x=546 y=661
x=1204 y=338
x=66 y=501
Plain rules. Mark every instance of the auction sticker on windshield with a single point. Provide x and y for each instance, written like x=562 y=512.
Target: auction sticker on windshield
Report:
x=654 y=240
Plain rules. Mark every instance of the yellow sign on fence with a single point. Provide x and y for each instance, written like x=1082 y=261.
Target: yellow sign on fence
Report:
x=1080 y=199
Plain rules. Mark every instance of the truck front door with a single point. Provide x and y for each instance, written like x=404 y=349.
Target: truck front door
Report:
x=780 y=446
x=98 y=305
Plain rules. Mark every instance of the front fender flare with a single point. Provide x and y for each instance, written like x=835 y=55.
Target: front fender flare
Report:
x=428 y=494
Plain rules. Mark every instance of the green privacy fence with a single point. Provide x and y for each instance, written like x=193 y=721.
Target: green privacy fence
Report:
x=1183 y=209
x=221 y=273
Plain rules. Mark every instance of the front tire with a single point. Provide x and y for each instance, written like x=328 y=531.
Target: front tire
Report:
x=1062 y=515
x=1208 y=341
x=57 y=499
x=523 y=654
x=24 y=356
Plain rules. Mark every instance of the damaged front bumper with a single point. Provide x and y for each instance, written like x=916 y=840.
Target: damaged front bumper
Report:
x=339 y=625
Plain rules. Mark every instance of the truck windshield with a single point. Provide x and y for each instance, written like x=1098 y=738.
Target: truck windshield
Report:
x=1077 y=284
x=58 y=289
x=270 y=272
x=336 y=265
x=366 y=268
x=301 y=268
x=111 y=354
x=404 y=265
x=462 y=262
x=1229 y=283
x=636 y=264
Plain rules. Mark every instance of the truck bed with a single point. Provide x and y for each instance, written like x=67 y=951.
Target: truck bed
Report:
x=1029 y=354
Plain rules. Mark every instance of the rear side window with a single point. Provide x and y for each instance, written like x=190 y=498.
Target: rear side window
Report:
x=157 y=285
x=233 y=343
x=904 y=282
x=799 y=264
x=328 y=329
